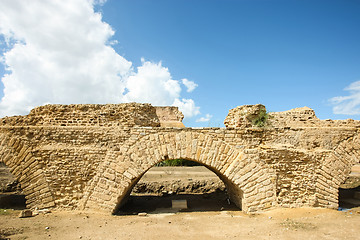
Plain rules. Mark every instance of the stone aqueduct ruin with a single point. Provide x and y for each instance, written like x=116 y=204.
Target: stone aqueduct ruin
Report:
x=91 y=156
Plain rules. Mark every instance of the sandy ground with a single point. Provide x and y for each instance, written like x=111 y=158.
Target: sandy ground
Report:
x=209 y=217
x=275 y=224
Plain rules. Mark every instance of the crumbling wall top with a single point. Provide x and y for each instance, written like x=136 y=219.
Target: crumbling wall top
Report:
x=256 y=116
x=244 y=116
x=170 y=116
x=125 y=114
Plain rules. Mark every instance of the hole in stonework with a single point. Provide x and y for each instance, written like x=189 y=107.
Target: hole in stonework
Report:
x=168 y=188
x=11 y=195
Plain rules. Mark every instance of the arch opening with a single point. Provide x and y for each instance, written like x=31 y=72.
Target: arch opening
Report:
x=11 y=194
x=349 y=191
x=198 y=186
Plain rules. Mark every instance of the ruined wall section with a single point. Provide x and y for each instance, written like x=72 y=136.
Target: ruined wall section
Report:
x=305 y=117
x=77 y=162
x=54 y=164
x=297 y=117
x=246 y=116
x=295 y=175
x=291 y=175
x=77 y=165
x=70 y=157
x=16 y=153
x=310 y=157
x=127 y=114
x=170 y=117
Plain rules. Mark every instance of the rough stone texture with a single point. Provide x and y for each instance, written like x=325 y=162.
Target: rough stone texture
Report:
x=170 y=117
x=130 y=115
x=8 y=182
x=243 y=116
x=178 y=186
x=353 y=179
x=25 y=213
x=91 y=156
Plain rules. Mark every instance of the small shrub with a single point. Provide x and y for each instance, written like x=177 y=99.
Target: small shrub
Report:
x=261 y=119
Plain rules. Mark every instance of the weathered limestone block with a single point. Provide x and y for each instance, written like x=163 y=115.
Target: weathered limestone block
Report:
x=170 y=117
x=25 y=213
x=296 y=117
x=244 y=116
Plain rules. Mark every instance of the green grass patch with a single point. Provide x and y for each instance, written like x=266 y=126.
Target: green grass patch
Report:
x=177 y=163
x=6 y=211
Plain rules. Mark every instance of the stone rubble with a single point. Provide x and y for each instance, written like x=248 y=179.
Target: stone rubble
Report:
x=26 y=213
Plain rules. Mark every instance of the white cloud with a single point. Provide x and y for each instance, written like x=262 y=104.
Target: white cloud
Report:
x=349 y=105
x=204 y=119
x=187 y=107
x=99 y=2
x=62 y=56
x=190 y=85
x=152 y=83
x=60 y=51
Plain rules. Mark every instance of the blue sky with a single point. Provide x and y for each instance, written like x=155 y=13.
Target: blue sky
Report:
x=283 y=54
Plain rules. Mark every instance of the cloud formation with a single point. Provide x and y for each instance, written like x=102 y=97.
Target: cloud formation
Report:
x=190 y=85
x=349 y=105
x=204 y=119
x=152 y=83
x=60 y=51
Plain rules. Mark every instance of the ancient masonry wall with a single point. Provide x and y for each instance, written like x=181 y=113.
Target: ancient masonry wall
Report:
x=91 y=156
x=131 y=114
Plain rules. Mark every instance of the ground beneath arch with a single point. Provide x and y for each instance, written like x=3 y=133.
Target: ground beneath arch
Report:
x=201 y=188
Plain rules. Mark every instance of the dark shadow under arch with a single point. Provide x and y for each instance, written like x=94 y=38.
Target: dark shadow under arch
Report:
x=349 y=198
x=11 y=194
x=349 y=190
x=216 y=200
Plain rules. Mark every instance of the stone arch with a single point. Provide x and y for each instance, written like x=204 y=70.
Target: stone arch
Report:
x=245 y=176
x=17 y=155
x=334 y=171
